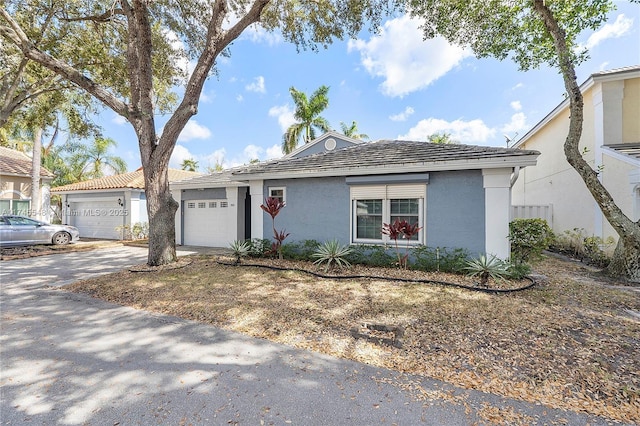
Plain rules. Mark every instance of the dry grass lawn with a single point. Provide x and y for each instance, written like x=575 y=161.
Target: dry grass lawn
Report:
x=572 y=341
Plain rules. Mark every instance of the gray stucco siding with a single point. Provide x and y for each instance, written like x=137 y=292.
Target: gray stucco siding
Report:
x=455 y=211
x=317 y=209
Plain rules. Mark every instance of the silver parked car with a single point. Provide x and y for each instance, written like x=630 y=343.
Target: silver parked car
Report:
x=23 y=231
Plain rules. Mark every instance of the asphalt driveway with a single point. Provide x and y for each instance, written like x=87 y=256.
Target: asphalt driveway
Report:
x=69 y=359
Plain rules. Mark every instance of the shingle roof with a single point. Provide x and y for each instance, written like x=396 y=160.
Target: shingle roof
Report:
x=133 y=180
x=14 y=162
x=383 y=153
x=222 y=178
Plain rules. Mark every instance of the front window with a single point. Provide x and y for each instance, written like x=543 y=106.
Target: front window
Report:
x=368 y=219
x=406 y=209
x=278 y=193
x=374 y=205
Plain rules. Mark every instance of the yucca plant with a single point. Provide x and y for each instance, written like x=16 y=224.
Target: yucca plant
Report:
x=330 y=253
x=487 y=267
x=240 y=249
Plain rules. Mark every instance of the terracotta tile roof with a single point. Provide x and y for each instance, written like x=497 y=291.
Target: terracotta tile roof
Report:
x=381 y=154
x=125 y=180
x=14 y=162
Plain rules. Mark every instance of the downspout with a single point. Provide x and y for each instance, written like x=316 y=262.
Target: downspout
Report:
x=514 y=176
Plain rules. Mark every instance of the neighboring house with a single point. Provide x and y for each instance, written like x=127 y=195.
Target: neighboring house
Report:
x=339 y=188
x=100 y=208
x=15 y=184
x=611 y=144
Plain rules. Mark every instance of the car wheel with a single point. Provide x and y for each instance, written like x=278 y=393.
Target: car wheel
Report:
x=61 y=238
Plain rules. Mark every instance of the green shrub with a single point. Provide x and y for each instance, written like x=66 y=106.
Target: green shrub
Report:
x=140 y=230
x=332 y=253
x=371 y=256
x=440 y=259
x=259 y=247
x=517 y=270
x=301 y=250
x=592 y=250
x=529 y=237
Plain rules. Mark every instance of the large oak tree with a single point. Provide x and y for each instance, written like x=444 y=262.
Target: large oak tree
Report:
x=533 y=32
x=140 y=37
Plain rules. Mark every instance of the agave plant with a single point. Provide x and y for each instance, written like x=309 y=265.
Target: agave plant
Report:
x=487 y=267
x=330 y=253
x=240 y=249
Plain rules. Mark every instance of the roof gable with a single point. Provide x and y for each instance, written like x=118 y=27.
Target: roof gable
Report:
x=132 y=180
x=17 y=163
x=327 y=142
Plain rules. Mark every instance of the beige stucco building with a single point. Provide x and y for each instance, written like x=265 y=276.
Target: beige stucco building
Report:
x=610 y=143
x=15 y=185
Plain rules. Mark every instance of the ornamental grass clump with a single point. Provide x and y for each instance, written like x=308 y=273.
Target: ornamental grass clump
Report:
x=332 y=253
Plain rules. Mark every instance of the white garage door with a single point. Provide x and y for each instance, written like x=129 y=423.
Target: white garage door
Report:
x=209 y=223
x=97 y=219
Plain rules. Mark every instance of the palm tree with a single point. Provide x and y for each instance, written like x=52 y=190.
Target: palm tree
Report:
x=352 y=131
x=308 y=117
x=189 y=164
x=95 y=158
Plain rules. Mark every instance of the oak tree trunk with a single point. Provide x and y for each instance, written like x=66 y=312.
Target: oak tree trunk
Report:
x=626 y=260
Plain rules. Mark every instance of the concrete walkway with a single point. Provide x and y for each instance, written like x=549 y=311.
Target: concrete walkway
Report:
x=69 y=359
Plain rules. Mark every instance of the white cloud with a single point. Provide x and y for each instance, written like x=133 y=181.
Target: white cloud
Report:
x=193 y=130
x=620 y=27
x=178 y=46
x=206 y=98
x=408 y=111
x=257 y=85
x=405 y=61
x=472 y=132
x=274 y=151
x=518 y=122
x=179 y=154
x=516 y=105
x=239 y=98
x=216 y=157
x=517 y=86
x=284 y=114
x=258 y=34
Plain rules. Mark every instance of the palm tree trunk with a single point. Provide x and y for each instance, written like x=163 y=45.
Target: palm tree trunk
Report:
x=36 y=208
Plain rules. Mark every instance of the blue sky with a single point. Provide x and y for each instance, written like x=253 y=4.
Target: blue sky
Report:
x=394 y=85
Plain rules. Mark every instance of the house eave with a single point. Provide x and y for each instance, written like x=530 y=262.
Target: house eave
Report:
x=187 y=185
x=471 y=164
x=26 y=175
x=95 y=191
x=621 y=157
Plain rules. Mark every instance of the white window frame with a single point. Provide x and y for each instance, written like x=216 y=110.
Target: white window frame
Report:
x=386 y=193
x=278 y=188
